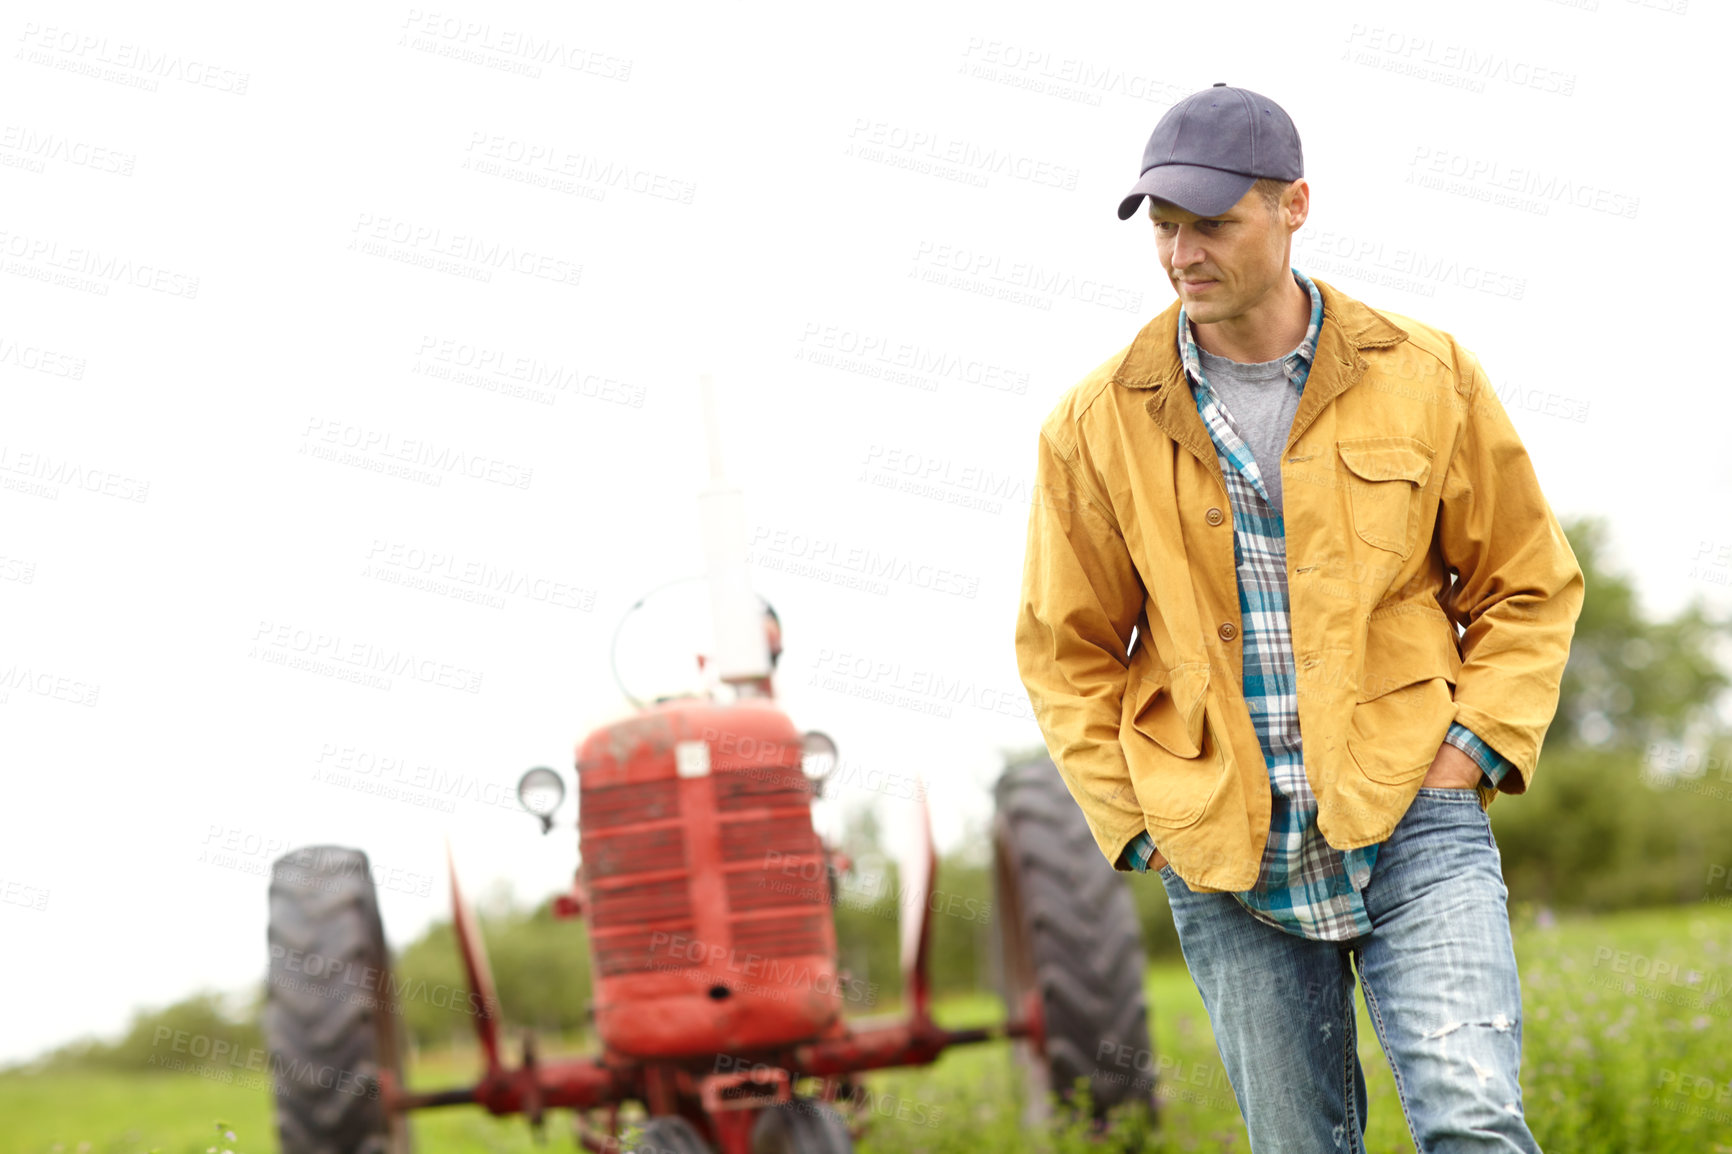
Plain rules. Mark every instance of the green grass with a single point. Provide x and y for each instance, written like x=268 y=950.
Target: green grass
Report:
x=1628 y=1047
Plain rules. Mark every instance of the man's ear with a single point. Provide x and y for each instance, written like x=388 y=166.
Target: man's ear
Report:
x=1296 y=203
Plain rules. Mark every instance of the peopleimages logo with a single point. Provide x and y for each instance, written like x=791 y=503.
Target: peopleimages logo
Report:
x=469 y=254
x=333 y=654
x=347 y=980
x=36 y=256
x=1017 y=282
x=469 y=579
x=226 y=1061
x=43 y=683
x=1065 y=77
x=44 y=473
x=337 y=440
x=93 y=55
x=826 y=558
x=1368 y=258
x=912 y=687
x=1515 y=186
x=37 y=359
x=510 y=49
x=856 y=350
x=930 y=151
x=35 y=149
x=1453 y=65
x=549 y=165
x=778 y=975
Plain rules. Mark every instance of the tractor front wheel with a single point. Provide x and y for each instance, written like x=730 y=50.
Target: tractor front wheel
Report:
x=1069 y=942
x=330 y=1017
x=669 y=1134
x=802 y=1126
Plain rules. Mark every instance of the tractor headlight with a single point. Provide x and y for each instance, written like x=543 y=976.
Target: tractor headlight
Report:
x=540 y=790
x=817 y=758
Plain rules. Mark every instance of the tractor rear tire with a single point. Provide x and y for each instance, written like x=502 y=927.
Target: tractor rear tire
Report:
x=1068 y=930
x=330 y=1017
x=803 y=1126
x=669 y=1134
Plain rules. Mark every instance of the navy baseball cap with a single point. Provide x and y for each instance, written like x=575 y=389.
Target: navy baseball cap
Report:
x=1211 y=147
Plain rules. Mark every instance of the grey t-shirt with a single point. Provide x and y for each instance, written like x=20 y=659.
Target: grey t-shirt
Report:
x=1260 y=401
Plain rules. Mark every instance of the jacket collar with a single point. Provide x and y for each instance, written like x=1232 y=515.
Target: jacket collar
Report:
x=1152 y=363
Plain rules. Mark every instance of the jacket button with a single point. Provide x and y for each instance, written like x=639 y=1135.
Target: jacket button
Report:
x=1227 y=631
x=1214 y=516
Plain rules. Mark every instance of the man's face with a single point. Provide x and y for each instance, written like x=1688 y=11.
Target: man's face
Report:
x=1223 y=266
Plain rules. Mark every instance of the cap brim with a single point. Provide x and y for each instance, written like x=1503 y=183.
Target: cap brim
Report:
x=1204 y=191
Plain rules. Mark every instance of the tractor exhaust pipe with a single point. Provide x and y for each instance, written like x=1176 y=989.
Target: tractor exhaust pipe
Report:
x=742 y=655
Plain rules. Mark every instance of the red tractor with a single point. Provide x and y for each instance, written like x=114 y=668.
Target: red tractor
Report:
x=718 y=998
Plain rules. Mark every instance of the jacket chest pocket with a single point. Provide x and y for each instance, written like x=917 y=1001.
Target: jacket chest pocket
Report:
x=1384 y=477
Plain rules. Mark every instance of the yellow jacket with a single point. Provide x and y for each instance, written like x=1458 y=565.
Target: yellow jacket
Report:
x=1401 y=468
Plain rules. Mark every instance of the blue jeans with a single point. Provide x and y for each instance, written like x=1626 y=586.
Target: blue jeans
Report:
x=1439 y=976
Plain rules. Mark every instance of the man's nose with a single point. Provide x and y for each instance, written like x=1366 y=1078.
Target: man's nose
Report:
x=1186 y=250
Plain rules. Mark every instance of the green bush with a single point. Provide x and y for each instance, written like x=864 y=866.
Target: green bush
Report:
x=159 y=1034
x=1593 y=835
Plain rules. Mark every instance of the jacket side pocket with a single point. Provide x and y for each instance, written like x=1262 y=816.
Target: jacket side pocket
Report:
x=1176 y=765
x=1406 y=696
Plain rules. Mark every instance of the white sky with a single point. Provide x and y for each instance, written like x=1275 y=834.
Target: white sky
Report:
x=748 y=191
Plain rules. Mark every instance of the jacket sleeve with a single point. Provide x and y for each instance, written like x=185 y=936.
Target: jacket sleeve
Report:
x=1138 y=854
x=1517 y=590
x=1492 y=765
x=1081 y=598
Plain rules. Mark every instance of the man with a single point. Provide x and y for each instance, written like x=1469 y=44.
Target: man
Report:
x=1292 y=593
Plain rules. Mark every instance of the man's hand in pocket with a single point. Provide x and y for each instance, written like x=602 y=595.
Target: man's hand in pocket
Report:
x=1451 y=769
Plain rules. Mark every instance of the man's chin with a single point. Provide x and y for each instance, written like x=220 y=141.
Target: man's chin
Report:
x=1202 y=312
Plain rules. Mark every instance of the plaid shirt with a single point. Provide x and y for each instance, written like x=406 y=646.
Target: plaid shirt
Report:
x=1305 y=886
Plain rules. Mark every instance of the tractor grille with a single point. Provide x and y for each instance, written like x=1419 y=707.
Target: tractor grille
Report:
x=636 y=851
x=637 y=952
x=785 y=851
x=774 y=786
x=760 y=890
x=626 y=917
x=641 y=924
x=755 y=839
x=639 y=903
x=628 y=804
x=780 y=937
